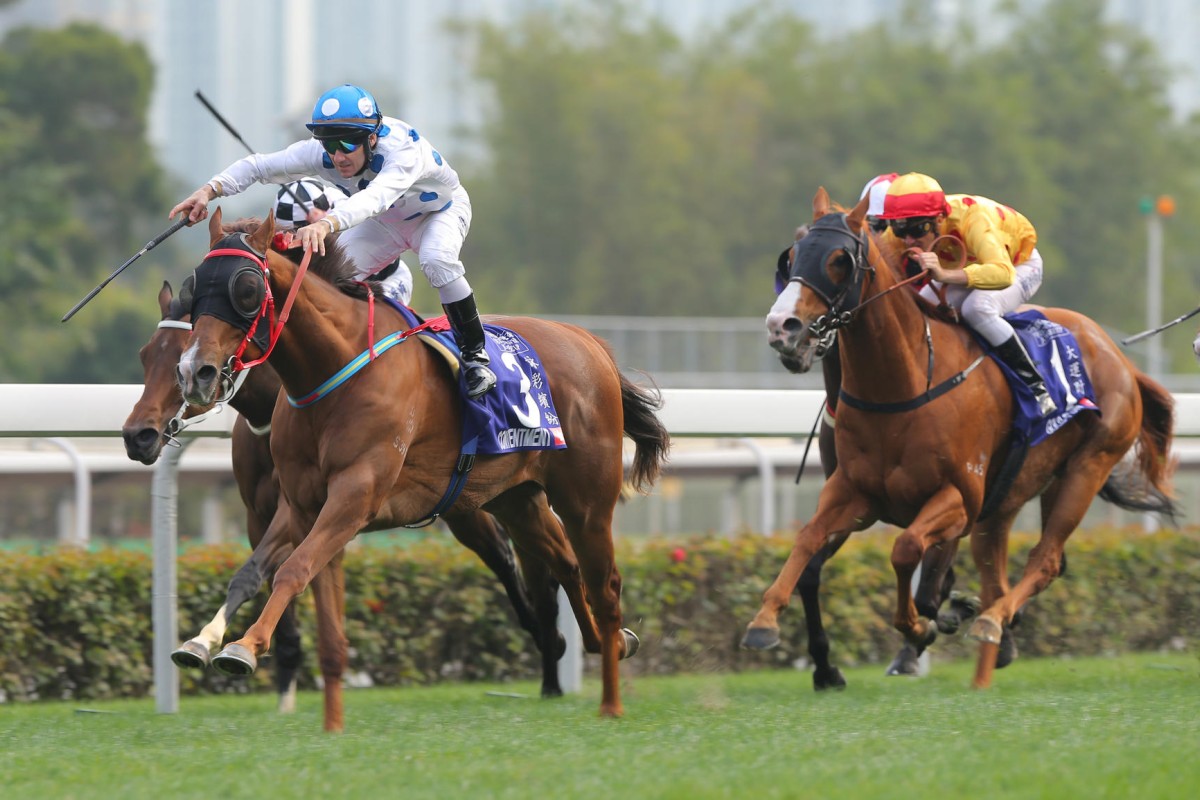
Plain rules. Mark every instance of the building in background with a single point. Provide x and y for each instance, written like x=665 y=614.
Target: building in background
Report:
x=263 y=63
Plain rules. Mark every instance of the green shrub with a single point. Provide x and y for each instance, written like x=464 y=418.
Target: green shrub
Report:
x=78 y=625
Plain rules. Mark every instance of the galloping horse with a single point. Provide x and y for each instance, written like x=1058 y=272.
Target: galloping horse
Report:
x=937 y=567
x=379 y=451
x=926 y=435
x=145 y=431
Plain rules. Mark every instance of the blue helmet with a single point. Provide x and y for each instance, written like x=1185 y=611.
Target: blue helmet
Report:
x=345 y=111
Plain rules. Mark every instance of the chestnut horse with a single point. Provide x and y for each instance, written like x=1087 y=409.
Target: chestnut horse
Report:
x=931 y=432
x=937 y=568
x=144 y=433
x=380 y=450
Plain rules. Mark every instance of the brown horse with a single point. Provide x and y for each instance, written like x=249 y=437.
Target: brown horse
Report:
x=379 y=451
x=929 y=432
x=144 y=433
x=937 y=568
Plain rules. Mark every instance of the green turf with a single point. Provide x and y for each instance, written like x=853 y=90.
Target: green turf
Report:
x=1094 y=728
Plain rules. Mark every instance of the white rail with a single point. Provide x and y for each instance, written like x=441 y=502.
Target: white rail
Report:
x=61 y=410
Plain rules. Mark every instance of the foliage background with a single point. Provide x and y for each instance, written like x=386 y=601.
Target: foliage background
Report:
x=624 y=170
x=78 y=625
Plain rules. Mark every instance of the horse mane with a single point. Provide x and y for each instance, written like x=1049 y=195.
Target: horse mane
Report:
x=335 y=266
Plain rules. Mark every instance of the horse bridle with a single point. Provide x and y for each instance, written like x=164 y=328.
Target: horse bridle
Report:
x=828 y=235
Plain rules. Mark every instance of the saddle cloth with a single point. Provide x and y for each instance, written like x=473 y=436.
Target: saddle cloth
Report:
x=1060 y=363
x=515 y=414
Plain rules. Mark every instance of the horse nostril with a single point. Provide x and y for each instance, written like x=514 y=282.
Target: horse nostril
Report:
x=206 y=375
x=792 y=325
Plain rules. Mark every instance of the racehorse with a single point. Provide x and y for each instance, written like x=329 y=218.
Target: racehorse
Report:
x=378 y=451
x=930 y=425
x=937 y=568
x=144 y=433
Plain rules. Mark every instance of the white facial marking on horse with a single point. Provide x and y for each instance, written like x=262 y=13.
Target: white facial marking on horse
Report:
x=783 y=310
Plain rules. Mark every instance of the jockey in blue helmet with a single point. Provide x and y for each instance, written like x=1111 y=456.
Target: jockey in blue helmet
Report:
x=404 y=196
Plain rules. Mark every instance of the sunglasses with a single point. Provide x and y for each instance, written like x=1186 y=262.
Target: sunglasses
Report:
x=341 y=145
x=913 y=227
x=877 y=225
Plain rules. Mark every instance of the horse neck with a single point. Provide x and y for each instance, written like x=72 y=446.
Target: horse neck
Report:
x=324 y=331
x=884 y=347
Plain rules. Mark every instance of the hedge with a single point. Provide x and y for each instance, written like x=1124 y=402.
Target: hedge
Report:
x=78 y=625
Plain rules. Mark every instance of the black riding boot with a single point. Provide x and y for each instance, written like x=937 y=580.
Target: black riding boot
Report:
x=464 y=319
x=1015 y=355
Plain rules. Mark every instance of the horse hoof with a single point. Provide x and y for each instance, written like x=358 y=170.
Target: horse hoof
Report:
x=761 y=638
x=831 y=678
x=907 y=663
x=190 y=655
x=235 y=659
x=1008 y=649
x=963 y=607
x=550 y=692
x=632 y=643
x=985 y=630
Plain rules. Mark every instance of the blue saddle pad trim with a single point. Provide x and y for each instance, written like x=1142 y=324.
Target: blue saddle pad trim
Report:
x=1056 y=354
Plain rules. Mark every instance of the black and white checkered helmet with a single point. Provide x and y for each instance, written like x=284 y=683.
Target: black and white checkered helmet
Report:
x=290 y=214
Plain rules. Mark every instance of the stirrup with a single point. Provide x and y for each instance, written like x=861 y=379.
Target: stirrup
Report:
x=1045 y=402
x=479 y=378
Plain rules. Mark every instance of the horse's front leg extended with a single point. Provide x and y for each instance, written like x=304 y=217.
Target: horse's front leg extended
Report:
x=942 y=519
x=840 y=510
x=349 y=507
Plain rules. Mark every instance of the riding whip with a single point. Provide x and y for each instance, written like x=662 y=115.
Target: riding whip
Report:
x=225 y=123
x=150 y=245
x=1146 y=334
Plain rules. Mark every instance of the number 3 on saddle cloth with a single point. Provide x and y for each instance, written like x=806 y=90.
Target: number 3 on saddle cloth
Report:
x=1056 y=355
x=515 y=414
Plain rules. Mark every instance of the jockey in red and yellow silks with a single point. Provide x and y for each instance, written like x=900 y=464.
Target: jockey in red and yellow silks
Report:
x=1003 y=269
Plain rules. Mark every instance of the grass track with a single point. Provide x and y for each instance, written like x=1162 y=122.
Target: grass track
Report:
x=1095 y=728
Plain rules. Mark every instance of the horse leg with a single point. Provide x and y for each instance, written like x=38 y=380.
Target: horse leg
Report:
x=543 y=590
x=271 y=550
x=825 y=674
x=989 y=551
x=480 y=533
x=933 y=586
x=589 y=529
x=840 y=511
x=942 y=519
x=329 y=600
x=346 y=511
x=539 y=533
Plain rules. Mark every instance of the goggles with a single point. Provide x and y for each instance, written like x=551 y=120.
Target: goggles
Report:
x=876 y=224
x=335 y=145
x=912 y=227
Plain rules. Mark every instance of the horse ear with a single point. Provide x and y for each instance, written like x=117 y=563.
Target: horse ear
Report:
x=260 y=240
x=164 y=298
x=821 y=203
x=859 y=213
x=214 y=227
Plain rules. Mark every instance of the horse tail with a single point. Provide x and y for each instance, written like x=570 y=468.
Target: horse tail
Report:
x=1146 y=483
x=643 y=426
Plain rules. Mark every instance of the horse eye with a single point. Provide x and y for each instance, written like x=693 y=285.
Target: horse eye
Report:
x=246 y=292
x=839 y=266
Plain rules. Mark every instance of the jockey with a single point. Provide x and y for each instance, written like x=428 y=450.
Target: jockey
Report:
x=403 y=196
x=877 y=187
x=395 y=279
x=1003 y=267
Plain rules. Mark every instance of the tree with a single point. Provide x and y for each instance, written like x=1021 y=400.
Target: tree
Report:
x=73 y=107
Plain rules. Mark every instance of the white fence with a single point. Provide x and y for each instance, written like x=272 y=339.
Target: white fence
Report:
x=61 y=412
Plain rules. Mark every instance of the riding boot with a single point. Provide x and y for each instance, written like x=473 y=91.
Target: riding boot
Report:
x=464 y=319
x=1015 y=355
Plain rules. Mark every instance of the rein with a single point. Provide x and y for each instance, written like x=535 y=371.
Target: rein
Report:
x=825 y=327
